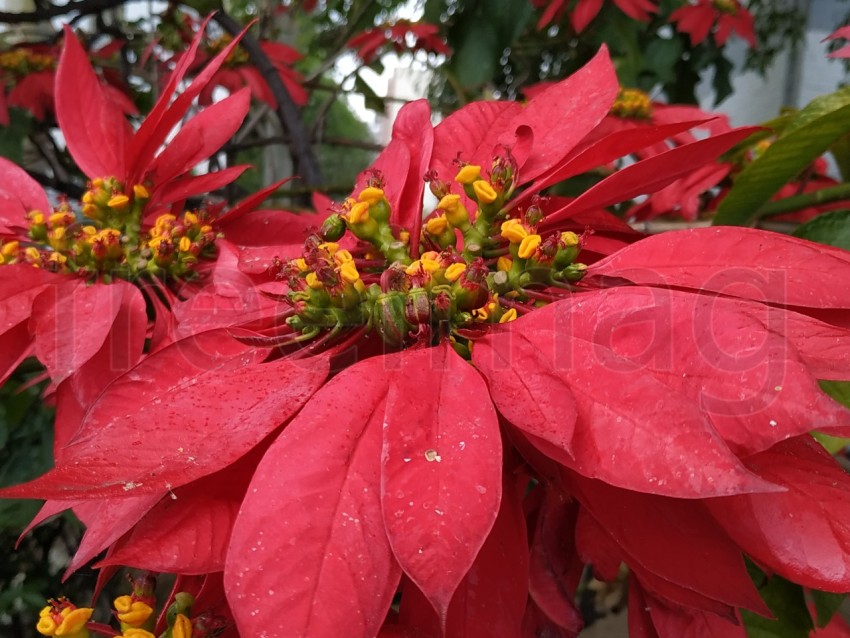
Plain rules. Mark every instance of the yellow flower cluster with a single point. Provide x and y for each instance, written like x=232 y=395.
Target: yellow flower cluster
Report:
x=632 y=103
x=22 y=61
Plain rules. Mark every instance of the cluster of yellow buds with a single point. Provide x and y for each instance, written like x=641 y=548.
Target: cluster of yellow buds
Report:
x=63 y=618
x=108 y=240
x=632 y=103
x=238 y=56
x=23 y=60
x=481 y=262
x=136 y=614
x=729 y=7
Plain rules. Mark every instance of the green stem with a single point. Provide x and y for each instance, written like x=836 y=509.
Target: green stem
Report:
x=799 y=202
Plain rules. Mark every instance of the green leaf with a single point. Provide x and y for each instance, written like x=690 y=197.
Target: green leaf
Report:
x=660 y=58
x=788 y=604
x=781 y=162
x=841 y=152
x=831 y=228
x=372 y=100
x=12 y=136
x=819 y=107
x=826 y=604
x=722 y=83
x=838 y=390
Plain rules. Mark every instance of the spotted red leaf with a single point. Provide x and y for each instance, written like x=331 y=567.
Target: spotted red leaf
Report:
x=739 y=262
x=802 y=534
x=442 y=464
x=309 y=554
x=185 y=412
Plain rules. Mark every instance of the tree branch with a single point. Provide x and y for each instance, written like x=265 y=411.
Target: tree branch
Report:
x=81 y=7
x=306 y=164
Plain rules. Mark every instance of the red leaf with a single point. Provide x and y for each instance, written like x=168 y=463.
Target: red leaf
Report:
x=651 y=174
x=673 y=622
x=735 y=365
x=200 y=137
x=623 y=434
x=640 y=622
x=70 y=323
x=95 y=129
x=442 y=465
x=674 y=539
x=526 y=390
x=184 y=412
x=309 y=553
x=15 y=346
x=181 y=188
x=738 y=262
x=563 y=114
x=19 y=194
x=803 y=534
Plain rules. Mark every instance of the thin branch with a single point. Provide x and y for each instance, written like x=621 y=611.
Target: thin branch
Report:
x=306 y=164
x=325 y=141
x=81 y=7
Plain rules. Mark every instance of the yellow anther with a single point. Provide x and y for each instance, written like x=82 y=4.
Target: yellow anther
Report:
x=135 y=632
x=118 y=201
x=514 y=231
x=454 y=272
x=57 y=233
x=528 y=245
x=504 y=263
x=57 y=258
x=414 y=268
x=89 y=210
x=140 y=192
x=36 y=217
x=185 y=244
x=449 y=202
x=437 y=225
x=429 y=265
x=46 y=626
x=404 y=237
x=132 y=612
x=481 y=314
x=90 y=231
x=153 y=244
x=301 y=265
x=88 y=197
x=60 y=219
x=329 y=247
x=206 y=228
x=97 y=182
x=10 y=249
x=342 y=256
x=358 y=213
x=32 y=253
x=569 y=238
x=510 y=315
x=73 y=622
x=2 y=260
x=165 y=221
x=431 y=255
x=359 y=286
x=371 y=195
x=348 y=272
x=484 y=192
x=190 y=218
x=468 y=174
x=313 y=281
x=182 y=627
x=632 y=103
x=107 y=235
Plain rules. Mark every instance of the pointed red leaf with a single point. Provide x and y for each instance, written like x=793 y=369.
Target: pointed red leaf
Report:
x=738 y=262
x=640 y=622
x=200 y=137
x=735 y=363
x=803 y=534
x=442 y=465
x=526 y=390
x=490 y=601
x=310 y=530
x=190 y=185
x=623 y=434
x=652 y=174
x=185 y=412
x=675 y=622
x=563 y=114
x=674 y=539
x=95 y=129
x=19 y=194
x=15 y=346
x=249 y=203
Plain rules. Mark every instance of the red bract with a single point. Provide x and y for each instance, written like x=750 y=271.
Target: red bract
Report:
x=718 y=17
x=432 y=386
x=586 y=10
x=400 y=36
x=840 y=34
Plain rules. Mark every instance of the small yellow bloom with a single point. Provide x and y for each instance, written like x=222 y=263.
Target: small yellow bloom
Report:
x=569 y=238
x=528 y=245
x=510 y=315
x=132 y=612
x=342 y=257
x=414 y=268
x=348 y=272
x=301 y=265
x=140 y=192
x=514 y=231
x=10 y=249
x=97 y=182
x=436 y=225
x=88 y=197
x=329 y=247
x=32 y=253
x=36 y=217
x=182 y=627
x=359 y=213
x=504 y=263
x=57 y=258
x=60 y=219
x=118 y=201
x=468 y=174
x=485 y=193
x=185 y=244
x=190 y=218
x=404 y=237
x=371 y=195
x=454 y=272
x=313 y=281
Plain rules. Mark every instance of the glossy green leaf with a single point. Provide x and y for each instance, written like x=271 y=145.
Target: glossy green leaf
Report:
x=782 y=162
x=826 y=604
x=830 y=228
x=788 y=604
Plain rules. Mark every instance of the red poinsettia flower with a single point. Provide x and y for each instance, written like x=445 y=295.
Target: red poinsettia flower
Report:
x=400 y=36
x=840 y=34
x=718 y=17
x=461 y=411
x=585 y=11
x=28 y=73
